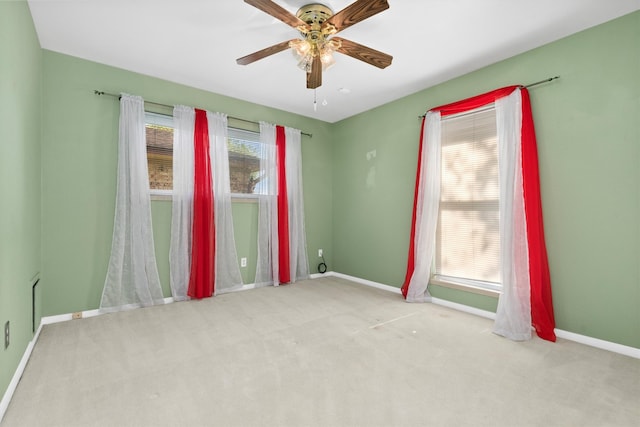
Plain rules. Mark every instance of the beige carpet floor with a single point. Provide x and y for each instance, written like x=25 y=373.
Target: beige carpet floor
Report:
x=322 y=352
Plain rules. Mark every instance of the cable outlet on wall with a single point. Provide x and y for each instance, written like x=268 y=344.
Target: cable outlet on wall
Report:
x=243 y=262
x=77 y=315
x=319 y=253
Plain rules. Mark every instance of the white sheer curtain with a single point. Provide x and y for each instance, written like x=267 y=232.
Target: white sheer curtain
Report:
x=227 y=272
x=132 y=275
x=513 y=316
x=269 y=247
x=182 y=202
x=427 y=205
x=297 y=237
x=267 y=268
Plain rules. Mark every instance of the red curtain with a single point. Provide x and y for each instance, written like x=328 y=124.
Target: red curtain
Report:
x=474 y=102
x=201 y=280
x=283 y=208
x=542 y=316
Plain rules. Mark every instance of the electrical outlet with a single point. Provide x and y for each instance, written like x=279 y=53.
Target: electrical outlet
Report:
x=7 y=335
x=76 y=315
x=243 y=262
x=319 y=253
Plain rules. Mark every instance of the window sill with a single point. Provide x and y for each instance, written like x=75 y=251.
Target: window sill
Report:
x=164 y=195
x=464 y=287
x=244 y=198
x=235 y=197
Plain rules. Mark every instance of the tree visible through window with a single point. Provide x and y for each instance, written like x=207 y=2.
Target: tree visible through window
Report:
x=159 y=155
x=244 y=161
x=244 y=157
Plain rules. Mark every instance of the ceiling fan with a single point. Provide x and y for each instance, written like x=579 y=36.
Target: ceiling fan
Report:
x=317 y=25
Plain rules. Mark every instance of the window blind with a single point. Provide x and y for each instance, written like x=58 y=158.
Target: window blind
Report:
x=468 y=233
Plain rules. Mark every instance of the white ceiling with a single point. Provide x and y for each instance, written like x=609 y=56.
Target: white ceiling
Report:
x=196 y=42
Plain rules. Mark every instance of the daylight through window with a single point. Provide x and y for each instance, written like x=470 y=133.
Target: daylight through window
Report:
x=244 y=157
x=468 y=233
x=159 y=134
x=244 y=162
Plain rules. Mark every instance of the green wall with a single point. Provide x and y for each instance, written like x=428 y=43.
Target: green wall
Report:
x=79 y=160
x=245 y=224
x=589 y=148
x=20 y=106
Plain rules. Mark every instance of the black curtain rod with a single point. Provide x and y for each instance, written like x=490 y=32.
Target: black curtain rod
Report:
x=541 y=81
x=521 y=86
x=99 y=92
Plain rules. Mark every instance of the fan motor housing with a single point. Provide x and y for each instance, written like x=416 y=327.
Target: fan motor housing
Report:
x=314 y=14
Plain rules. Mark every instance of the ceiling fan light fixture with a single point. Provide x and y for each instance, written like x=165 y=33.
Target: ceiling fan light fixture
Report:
x=327 y=59
x=306 y=62
x=326 y=53
x=300 y=48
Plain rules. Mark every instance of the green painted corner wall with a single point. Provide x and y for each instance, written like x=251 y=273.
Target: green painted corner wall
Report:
x=20 y=115
x=79 y=160
x=589 y=151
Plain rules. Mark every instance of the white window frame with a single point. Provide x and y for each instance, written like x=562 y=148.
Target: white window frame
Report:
x=233 y=133
x=249 y=136
x=161 y=120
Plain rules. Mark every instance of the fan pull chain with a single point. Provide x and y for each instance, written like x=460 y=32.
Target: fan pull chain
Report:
x=315 y=100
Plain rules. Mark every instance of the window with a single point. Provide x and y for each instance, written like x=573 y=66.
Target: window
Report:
x=468 y=231
x=244 y=162
x=244 y=157
x=159 y=134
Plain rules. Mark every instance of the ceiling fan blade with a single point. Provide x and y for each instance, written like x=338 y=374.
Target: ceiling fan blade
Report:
x=314 y=78
x=363 y=53
x=354 y=13
x=253 y=57
x=277 y=11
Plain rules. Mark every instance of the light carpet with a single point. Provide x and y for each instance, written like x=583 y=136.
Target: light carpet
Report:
x=324 y=352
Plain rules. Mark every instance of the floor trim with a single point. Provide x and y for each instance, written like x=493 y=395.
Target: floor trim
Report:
x=8 y=394
x=598 y=343
x=571 y=336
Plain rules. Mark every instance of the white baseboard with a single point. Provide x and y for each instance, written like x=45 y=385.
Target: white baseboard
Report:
x=598 y=343
x=465 y=308
x=50 y=320
x=571 y=336
x=8 y=394
x=377 y=285
x=237 y=289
